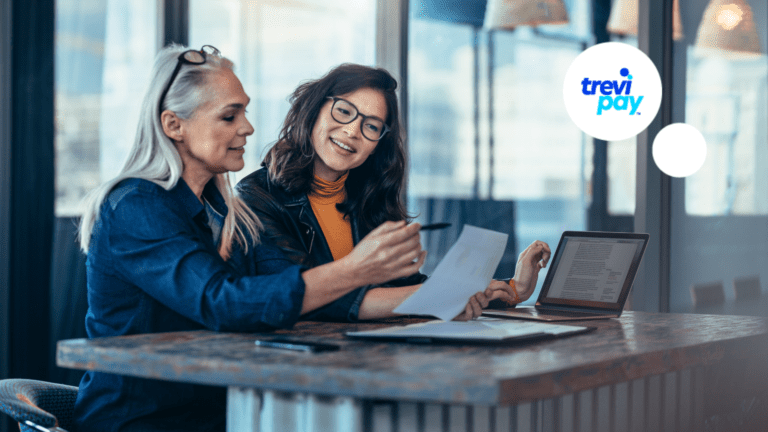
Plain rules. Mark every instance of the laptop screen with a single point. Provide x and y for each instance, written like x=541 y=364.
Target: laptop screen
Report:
x=593 y=269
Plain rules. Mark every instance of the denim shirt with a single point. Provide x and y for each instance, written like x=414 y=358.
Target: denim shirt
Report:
x=153 y=266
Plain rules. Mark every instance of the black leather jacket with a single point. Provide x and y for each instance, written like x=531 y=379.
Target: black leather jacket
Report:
x=290 y=224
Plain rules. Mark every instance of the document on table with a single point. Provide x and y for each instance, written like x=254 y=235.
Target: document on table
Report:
x=467 y=268
x=479 y=330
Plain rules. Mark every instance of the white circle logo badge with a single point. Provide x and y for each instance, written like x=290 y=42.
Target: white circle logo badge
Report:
x=612 y=91
x=679 y=150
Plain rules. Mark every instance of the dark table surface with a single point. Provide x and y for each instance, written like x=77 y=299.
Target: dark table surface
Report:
x=636 y=345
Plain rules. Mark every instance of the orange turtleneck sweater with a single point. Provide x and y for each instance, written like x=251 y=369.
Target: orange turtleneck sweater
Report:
x=337 y=230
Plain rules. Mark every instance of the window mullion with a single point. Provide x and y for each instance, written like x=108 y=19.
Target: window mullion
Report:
x=176 y=22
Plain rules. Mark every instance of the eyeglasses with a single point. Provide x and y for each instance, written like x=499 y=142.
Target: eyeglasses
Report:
x=344 y=112
x=192 y=57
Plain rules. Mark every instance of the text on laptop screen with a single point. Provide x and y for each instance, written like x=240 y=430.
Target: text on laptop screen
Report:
x=593 y=269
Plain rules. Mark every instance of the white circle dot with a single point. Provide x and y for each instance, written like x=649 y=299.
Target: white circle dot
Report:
x=679 y=150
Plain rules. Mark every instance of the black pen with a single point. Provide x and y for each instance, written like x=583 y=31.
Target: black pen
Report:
x=435 y=226
x=304 y=346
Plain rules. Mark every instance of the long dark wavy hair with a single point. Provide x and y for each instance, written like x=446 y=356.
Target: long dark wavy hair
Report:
x=374 y=188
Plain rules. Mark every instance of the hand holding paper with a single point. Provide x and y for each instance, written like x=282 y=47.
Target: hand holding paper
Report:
x=478 y=302
x=466 y=269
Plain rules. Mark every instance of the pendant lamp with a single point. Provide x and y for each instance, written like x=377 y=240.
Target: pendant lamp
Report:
x=728 y=25
x=623 y=19
x=508 y=14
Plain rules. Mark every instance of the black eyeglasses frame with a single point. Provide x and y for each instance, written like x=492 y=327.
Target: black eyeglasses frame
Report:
x=182 y=59
x=359 y=114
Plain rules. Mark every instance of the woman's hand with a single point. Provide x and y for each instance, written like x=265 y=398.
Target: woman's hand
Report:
x=479 y=301
x=529 y=263
x=391 y=251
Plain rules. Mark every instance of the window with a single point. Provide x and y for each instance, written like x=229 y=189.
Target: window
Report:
x=726 y=100
x=104 y=50
x=622 y=175
x=516 y=165
x=719 y=222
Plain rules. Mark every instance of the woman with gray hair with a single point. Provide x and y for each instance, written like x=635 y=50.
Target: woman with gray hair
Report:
x=167 y=242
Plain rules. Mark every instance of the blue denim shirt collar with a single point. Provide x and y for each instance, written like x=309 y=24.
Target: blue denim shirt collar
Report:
x=191 y=205
x=214 y=198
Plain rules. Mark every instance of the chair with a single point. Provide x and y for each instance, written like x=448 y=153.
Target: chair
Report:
x=38 y=405
x=708 y=294
x=747 y=288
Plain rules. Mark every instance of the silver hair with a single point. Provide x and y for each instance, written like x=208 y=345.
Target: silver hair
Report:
x=154 y=156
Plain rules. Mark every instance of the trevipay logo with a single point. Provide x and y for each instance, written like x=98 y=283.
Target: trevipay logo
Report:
x=612 y=91
x=613 y=94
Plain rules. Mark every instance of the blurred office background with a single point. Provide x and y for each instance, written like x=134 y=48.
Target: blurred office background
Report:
x=489 y=139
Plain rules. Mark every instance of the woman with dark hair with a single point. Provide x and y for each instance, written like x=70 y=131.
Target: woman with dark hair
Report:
x=336 y=173
x=376 y=178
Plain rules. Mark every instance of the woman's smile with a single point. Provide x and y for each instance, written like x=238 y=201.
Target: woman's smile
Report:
x=343 y=146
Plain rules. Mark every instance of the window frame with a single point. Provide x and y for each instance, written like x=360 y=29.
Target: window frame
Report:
x=5 y=187
x=27 y=193
x=653 y=188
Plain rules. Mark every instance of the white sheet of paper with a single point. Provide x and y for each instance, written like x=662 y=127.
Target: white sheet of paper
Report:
x=467 y=268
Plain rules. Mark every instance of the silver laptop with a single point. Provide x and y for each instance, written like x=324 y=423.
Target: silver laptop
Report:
x=590 y=276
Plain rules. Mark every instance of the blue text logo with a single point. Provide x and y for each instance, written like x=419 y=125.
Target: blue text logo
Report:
x=614 y=94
